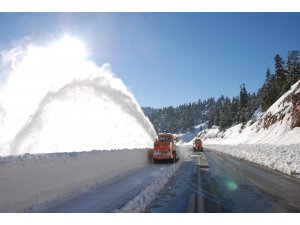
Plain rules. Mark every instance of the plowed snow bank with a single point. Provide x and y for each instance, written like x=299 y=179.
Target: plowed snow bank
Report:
x=35 y=182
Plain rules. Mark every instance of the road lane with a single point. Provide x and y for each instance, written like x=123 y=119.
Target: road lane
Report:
x=180 y=192
x=228 y=185
x=232 y=185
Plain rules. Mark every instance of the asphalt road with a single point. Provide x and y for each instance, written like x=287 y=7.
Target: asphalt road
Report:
x=228 y=185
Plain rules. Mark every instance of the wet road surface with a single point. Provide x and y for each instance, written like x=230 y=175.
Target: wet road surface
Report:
x=228 y=185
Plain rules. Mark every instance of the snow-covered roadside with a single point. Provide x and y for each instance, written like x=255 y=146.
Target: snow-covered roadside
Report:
x=37 y=182
x=271 y=139
x=283 y=158
x=141 y=201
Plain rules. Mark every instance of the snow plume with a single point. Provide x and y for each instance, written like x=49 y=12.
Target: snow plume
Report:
x=54 y=100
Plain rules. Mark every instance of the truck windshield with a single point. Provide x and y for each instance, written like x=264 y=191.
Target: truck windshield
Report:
x=164 y=139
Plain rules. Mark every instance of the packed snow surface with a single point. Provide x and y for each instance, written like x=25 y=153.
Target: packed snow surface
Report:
x=52 y=99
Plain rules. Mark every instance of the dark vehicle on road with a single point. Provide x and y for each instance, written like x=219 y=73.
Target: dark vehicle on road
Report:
x=197 y=145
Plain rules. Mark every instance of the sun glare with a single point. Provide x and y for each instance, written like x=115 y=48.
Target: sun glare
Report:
x=70 y=48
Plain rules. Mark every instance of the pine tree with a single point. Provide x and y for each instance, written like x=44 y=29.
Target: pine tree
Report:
x=280 y=75
x=235 y=110
x=268 y=92
x=243 y=104
x=293 y=68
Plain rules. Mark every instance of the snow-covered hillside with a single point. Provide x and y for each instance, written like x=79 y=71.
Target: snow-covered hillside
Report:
x=279 y=125
x=273 y=140
x=190 y=135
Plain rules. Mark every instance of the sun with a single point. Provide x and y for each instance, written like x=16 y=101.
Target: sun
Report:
x=70 y=48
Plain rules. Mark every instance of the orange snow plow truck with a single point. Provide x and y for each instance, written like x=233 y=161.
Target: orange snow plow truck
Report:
x=197 y=145
x=164 y=149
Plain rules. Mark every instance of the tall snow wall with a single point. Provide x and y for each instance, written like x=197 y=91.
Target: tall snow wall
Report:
x=34 y=183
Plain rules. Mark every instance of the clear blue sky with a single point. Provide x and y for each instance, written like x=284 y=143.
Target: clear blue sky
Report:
x=170 y=58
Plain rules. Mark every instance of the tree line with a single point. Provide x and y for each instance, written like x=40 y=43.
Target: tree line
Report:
x=225 y=112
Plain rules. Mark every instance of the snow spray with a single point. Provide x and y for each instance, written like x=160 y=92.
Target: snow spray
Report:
x=52 y=99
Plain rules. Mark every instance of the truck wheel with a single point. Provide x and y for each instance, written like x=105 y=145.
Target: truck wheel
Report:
x=174 y=156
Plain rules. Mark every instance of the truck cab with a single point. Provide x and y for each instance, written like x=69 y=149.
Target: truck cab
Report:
x=164 y=148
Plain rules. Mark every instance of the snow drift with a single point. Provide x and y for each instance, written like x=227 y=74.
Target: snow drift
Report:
x=54 y=100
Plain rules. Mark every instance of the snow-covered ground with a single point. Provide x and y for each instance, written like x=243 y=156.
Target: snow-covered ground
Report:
x=270 y=140
x=189 y=136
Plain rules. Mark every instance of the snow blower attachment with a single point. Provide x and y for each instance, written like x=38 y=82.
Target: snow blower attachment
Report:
x=164 y=149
